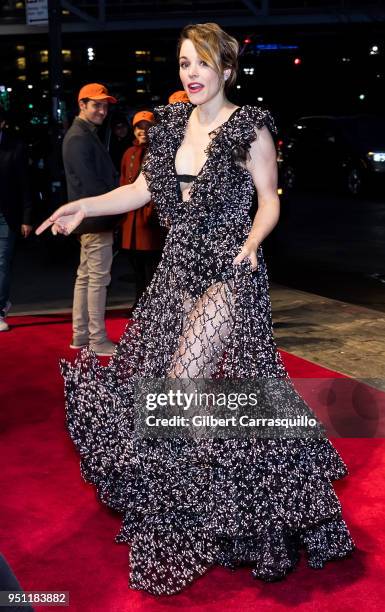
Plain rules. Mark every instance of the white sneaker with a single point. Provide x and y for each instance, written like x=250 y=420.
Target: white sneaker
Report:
x=78 y=343
x=3 y=325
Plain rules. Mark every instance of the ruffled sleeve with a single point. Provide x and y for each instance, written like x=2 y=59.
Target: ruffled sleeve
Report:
x=170 y=120
x=242 y=132
x=156 y=151
x=157 y=167
x=161 y=113
x=256 y=117
x=264 y=117
x=156 y=137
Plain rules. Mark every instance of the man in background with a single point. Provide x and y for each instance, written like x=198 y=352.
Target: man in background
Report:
x=90 y=172
x=15 y=208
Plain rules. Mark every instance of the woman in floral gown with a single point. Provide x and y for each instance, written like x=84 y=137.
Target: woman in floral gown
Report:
x=190 y=504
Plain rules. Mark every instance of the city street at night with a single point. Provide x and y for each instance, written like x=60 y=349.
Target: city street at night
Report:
x=333 y=246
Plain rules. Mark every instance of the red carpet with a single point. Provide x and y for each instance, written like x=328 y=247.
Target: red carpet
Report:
x=57 y=536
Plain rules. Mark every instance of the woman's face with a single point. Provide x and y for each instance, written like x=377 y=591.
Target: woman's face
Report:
x=141 y=131
x=199 y=80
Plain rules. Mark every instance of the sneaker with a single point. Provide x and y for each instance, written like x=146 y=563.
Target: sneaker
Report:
x=78 y=343
x=104 y=349
x=3 y=325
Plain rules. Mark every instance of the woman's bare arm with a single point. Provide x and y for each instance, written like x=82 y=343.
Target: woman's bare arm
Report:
x=123 y=199
x=262 y=166
x=120 y=200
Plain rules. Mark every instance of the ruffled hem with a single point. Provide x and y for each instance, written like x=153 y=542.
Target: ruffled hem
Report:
x=272 y=558
x=177 y=553
x=188 y=505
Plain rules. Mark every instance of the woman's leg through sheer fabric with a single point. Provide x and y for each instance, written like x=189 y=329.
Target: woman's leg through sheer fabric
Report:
x=207 y=327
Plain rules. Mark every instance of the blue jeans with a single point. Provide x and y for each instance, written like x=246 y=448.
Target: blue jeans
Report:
x=7 y=245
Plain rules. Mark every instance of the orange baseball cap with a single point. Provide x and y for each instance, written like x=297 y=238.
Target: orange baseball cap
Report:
x=143 y=116
x=178 y=96
x=96 y=91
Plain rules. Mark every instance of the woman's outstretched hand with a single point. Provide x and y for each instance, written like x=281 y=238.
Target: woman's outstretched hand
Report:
x=248 y=251
x=64 y=220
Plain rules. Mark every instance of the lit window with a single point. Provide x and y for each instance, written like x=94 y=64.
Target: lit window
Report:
x=67 y=55
x=21 y=63
x=142 y=55
x=44 y=56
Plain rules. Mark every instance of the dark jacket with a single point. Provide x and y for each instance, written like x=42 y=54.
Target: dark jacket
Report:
x=15 y=198
x=89 y=172
x=118 y=148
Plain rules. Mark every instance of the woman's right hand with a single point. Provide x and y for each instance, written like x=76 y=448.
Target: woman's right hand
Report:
x=64 y=220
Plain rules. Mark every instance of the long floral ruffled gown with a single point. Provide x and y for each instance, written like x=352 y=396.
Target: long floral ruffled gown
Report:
x=191 y=504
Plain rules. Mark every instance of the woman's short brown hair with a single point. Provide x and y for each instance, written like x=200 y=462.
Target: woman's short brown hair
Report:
x=215 y=47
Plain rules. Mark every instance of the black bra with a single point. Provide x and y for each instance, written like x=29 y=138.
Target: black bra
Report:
x=185 y=178
x=188 y=178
